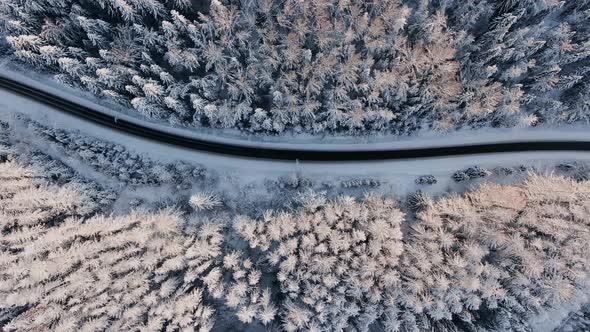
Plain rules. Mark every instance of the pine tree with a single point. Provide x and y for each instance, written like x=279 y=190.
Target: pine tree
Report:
x=334 y=259
x=63 y=269
x=398 y=66
x=499 y=249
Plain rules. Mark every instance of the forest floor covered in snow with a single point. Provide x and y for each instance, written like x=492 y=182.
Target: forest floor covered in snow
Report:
x=577 y=321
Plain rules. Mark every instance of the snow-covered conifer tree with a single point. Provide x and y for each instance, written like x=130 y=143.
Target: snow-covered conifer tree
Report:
x=354 y=66
x=499 y=250
x=334 y=259
x=61 y=271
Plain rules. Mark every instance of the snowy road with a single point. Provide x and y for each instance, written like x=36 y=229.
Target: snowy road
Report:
x=270 y=151
x=399 y=173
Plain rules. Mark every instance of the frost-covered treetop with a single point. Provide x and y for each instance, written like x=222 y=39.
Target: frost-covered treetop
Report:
x=346 y=66
x=491 y=258
x=335 y=259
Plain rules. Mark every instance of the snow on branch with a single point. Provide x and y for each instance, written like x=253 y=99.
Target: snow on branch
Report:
x=204 y=201
x=321 y=66
x=506 y=250
x=335 y=259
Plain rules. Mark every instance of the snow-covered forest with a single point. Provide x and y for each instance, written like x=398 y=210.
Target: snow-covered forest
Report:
x=103 y=228
x=77 y=255
x=337 y=66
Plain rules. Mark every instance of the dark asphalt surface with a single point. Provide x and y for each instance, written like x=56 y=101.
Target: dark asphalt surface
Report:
x=137 y=129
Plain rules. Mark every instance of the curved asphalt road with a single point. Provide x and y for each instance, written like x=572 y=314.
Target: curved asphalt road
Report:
x=137 y=129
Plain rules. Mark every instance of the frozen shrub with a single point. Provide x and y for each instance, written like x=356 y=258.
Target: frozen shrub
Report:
x=293 y=181
x=575 y=170
x=470 y=173
x=460 y=176
x=426 y=180
x=334 y=259
x=503 y=171
x=356 y=183
x=115 y=160
x=476 y=172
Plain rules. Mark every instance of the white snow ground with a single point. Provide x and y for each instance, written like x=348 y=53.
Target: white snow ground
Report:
x=556 y=319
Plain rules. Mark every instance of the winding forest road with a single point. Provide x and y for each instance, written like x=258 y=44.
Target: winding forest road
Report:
x=138 y=129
